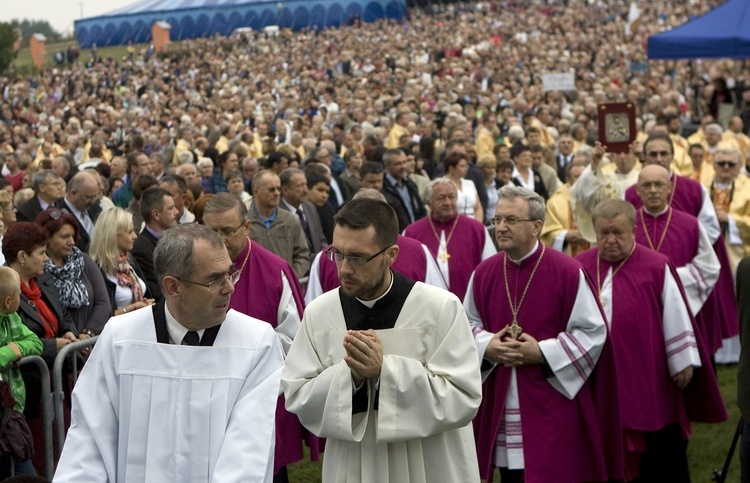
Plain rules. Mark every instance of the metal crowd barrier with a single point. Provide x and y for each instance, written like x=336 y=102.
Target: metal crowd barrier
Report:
x=49 y=466
x=57 y=378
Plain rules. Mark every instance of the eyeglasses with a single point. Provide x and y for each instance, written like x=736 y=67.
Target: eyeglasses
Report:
x=227 y=232
x=218 y=284
x=56 y=214
x=509 y=220
x=338 y=257
x=654 y=154
x=725 y=164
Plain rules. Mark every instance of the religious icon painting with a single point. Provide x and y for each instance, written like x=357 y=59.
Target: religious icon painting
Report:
x=617 y=126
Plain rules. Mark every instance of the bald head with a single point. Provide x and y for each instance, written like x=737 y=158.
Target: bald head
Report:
x=83 y=191
x=654 y=187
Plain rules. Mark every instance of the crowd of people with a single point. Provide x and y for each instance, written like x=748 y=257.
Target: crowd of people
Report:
x=370 y=157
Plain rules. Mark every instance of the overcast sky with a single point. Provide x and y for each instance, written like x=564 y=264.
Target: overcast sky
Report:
x=59 y=13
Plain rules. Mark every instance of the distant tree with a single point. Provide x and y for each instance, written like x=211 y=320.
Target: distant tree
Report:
x=7 y=39
x=31 y=27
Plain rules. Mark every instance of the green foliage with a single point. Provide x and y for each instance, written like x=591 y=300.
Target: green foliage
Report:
x=7 y=39
x=31 y=27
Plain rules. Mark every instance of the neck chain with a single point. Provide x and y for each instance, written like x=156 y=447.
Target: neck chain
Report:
x=444 y=256
x=599 y=285
x=674 y=189
x=247 y=256
x=515 y=329
x=663 y=234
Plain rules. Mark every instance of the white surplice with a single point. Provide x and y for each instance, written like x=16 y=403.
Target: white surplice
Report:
x=429 y=391
x=150 y=412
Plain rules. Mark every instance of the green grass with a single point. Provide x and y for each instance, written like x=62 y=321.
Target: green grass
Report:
x=707 y=450
x=710 y=443
x=23 y=60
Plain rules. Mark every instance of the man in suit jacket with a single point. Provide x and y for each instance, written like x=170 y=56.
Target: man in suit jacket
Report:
x=349 y=179
x=49 y=188
x=401 y=192
x=293 y=194
x=564 y=155
x=81 y=201
x=159 y=213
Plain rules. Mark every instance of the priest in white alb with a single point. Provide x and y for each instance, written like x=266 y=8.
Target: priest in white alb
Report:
x=384 y=367
x=182 y=391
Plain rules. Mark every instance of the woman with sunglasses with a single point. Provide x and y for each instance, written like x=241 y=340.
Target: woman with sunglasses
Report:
x=111 y=244
x=76 y=276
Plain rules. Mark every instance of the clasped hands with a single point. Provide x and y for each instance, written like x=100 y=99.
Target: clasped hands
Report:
x=503 y=349
x=364 y=354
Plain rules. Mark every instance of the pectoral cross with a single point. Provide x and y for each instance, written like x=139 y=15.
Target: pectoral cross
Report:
x=444 y=256
x=515 y=330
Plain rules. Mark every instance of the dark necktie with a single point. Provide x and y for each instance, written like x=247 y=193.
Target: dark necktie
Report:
x=191 y=338
x=302 y=219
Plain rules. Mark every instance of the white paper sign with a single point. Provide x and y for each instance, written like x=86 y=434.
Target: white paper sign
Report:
x=559 y=81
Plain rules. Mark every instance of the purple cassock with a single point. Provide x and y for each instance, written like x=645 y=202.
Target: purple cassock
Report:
x=649 y=398
x=466 y=242
x=719 y=317
x=681 y=245
x=564 y=440
x=258 y=294
x=411 y=262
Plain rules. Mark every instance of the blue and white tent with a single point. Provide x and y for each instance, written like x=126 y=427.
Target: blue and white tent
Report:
x=722 y=33
x=202 y=18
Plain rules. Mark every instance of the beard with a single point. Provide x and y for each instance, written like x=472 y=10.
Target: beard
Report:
x=364 y=290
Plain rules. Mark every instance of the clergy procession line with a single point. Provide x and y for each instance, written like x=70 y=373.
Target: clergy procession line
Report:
x=609 y=364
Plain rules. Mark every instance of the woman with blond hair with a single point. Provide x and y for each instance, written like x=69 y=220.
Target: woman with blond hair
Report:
x=110 y=248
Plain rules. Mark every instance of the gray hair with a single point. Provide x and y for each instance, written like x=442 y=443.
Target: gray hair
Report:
x=186 y=157
x=537 y=207
x=390 y=154
x=173 y=255
x=714 y=127
x=286 y=176
x=221 y=202
x=515 y=132
x=204 y=162
x=609 y=209
x=43 y=177
x=736 y=153
x=437 y=181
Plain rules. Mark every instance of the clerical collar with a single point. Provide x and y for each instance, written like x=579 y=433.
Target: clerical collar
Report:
x=371 y=303
x=657 y=215
x=723 y=186
x=528 y=255
x=176 y=330
x=384 y=313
